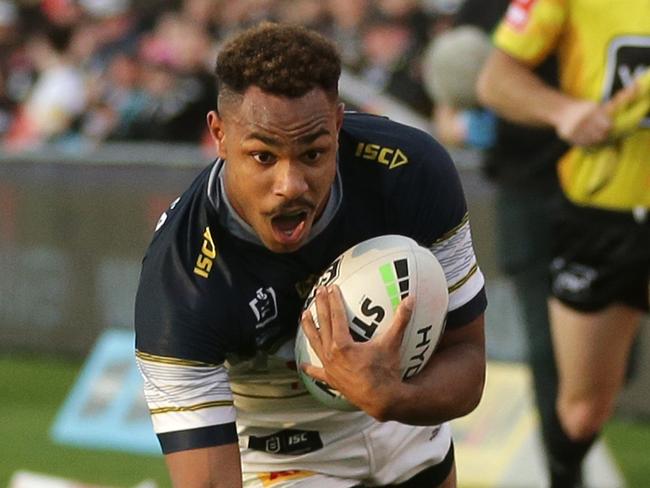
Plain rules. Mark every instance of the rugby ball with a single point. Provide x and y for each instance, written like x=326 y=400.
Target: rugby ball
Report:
x=374 y=277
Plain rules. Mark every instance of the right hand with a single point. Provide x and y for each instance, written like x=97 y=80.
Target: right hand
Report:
x=584 y=123
x=366 y=373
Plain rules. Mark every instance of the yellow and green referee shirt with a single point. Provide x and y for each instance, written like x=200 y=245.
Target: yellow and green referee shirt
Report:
x=602 y=46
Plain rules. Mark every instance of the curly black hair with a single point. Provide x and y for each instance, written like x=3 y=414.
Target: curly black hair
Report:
x=281 y=59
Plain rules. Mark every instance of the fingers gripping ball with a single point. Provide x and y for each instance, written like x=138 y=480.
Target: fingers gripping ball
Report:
x=374 y=277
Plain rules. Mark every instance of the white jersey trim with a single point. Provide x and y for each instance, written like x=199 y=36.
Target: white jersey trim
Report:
x=185 y=396
x=455 y=253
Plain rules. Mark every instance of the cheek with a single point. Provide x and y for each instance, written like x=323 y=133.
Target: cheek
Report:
x=250 y=187
x=223 y=147
x=319 y=184
x=323 y=178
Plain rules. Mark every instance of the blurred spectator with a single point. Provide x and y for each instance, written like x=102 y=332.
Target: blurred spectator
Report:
x=390 y=62
x=179 y=89
x=58 y=95
x=8 y=23
x=202 y=13
x=411 y=13
x=62 y=13
x=115 y=104
x=451 y=65
x=114 y=28
x=8 y=41
x=310 y=13
x=236 y=15
x=105 y=8
x=7 y=107
x=346 y=20
x=143 y=70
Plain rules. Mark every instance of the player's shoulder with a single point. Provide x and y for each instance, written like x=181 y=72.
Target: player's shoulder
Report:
x=184 y=287
x=367 y=138
x=396 y=154
x=362 y=127
x=185 y=225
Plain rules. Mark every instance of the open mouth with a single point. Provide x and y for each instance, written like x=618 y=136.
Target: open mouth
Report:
x=288 y=227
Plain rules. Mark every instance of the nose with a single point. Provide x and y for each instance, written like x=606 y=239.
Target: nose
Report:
x=290 y=180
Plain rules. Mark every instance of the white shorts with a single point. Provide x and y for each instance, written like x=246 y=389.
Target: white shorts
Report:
x=373 y=455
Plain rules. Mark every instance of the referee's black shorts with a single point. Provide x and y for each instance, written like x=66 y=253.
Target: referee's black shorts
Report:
x=600 y=257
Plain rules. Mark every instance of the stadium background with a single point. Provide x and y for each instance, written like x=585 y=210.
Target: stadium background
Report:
x=79 y=197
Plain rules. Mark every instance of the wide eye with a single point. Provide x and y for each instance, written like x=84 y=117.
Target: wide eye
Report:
x=312 y=155
x=264 y=157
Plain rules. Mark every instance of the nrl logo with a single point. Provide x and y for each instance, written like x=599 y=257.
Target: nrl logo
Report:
x=264 y=306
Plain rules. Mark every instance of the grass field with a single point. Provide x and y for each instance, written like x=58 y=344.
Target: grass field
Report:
x=33 y=389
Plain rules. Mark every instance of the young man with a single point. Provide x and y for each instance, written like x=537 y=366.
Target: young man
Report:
x=223 y=283
x=601 y=242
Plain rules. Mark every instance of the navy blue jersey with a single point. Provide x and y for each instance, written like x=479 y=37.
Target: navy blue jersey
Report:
x=209 y=300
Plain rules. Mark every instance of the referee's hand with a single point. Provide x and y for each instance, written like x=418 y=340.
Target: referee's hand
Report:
x=584 y=123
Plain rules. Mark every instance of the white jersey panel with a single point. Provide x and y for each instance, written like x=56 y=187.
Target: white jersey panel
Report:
x=185 y=394
x=455 y=253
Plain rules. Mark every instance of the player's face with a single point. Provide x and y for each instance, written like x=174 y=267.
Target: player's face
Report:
x=280 y=161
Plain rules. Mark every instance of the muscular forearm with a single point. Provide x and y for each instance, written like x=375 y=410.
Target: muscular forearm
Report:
x=449 y=387
x=368 y=373
x=513 y=91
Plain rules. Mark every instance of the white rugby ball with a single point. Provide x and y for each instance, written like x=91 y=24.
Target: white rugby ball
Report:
x=374 y=277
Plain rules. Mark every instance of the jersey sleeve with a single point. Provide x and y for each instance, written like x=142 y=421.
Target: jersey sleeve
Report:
x=530 y=29
x=184 y=329
x=180 y=354
x=190 y=402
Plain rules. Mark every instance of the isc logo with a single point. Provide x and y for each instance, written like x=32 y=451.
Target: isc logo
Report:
x=205 y=259
x=384 y=155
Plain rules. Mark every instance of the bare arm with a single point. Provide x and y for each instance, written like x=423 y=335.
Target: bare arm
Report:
x=513 y=91
x=208 y=467
x=368 y=374
x=451 y=384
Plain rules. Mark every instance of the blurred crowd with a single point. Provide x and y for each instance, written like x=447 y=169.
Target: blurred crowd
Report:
x=79 y=72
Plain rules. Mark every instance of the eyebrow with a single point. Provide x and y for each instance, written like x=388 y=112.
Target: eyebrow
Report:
x=272 y=141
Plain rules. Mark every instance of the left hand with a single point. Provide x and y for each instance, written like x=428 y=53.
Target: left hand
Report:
x=366 y=373
x=629 y=106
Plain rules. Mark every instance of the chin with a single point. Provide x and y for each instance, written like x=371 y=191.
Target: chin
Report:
x=277 y=246
x=280 y=248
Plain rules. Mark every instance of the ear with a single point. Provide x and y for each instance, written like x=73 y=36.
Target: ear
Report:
x=215 y=126
x=340 y=109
